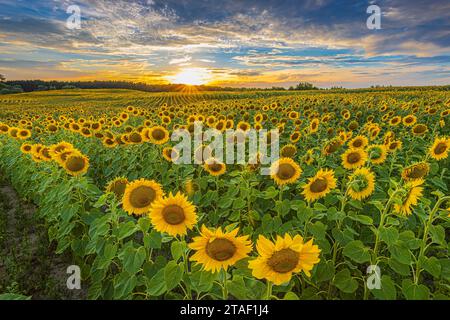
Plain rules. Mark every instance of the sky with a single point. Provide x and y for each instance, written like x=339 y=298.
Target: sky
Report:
x=239 y=43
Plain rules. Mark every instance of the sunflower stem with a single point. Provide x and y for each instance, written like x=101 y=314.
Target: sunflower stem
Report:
x=224 y=285
x=425 y=237
x=269 y=290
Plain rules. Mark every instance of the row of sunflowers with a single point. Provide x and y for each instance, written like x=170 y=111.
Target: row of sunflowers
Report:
x=362 y=180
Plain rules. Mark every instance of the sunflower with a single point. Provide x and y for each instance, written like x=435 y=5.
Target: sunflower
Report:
x=319 y=185
x=332 y=146
x=439 y=149
x=215 y=167
x=23 y=134
x=288 y=151
x=26 y=148
x=295 y=136
x=190 y=187
x=61 y=157
x=76 y=164
x=60 y=147
x=361 y=184
x=216 y=249
x=395 y=120
x=285 y=171
x=354 y=158
x=140 y=194
x=377 y=153
x=358 y=142
x=314 y=125
x=308 y=158
x=158 y=135
x=170 y=154
x=117 y=186
x=244 y=126
x=419 y=129
x=410 y=197
x=416 y=171
x=109 y=142
x=173 y=215
x=278 y=260
x=394 y=145
x=44 y=154
x=409 y=120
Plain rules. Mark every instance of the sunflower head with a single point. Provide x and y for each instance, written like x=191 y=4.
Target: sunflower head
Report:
x=217 y=249
x=139 y=196
x=319 y=185
x=215 y=167
x=76 y=164
x=173 y=215
x=361 y=184
x=288 y=151
x=158 y=135
x=416 y=171
x=117 y=186
x=358 y=142
x=408 y=197
x=278 y=260
x=285 y=171
x=26 y=148
x=377 y=153
x=440 y=148
x=354 y=158
x=170 y=154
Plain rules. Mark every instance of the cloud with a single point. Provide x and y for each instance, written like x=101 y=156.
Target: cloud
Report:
x=181 y=60
x=259 y=41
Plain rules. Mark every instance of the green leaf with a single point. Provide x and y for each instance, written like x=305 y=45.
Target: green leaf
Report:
x=133 y=259
x=432 y=266
x=366 y=220
x=238 y=288
x=177 y=248
x=126 y=229
x=283 y=207
x=437 y=234
x=445 y=269
x=124 y=285
x=344 y=282
x=324 y=271
x=153 y=240
x=400 y=252
x=144 y=224
x=157 y=284
x=356 y=251
x=110 y=251
x=399 y=268
x=387 y=290
x=225 y=203
x=291 y=296
x=410 y=239
x=202 y=281
x=318 y=229
x=13 y=296
x=320 y=207
x=270 y=193
x=413 y=291
x=389 y=235
x=173 y=273
x=239 y=203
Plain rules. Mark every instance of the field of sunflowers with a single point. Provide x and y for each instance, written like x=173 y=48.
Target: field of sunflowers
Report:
x=356 y=207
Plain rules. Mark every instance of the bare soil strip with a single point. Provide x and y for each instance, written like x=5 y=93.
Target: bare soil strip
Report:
x=28 y=263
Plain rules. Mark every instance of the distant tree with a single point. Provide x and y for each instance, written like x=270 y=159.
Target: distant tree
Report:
x=2 y=78
x=305 y=86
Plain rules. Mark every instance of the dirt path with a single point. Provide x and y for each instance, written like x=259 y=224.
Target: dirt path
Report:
x=28 y=264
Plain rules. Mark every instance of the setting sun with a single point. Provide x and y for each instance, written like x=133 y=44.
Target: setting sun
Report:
x=191 y=76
